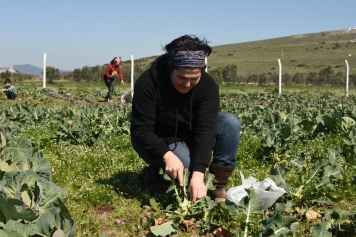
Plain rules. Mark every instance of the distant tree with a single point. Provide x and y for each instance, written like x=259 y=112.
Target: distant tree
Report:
x=336 y=46
x=286 y=78
x=216 y=73
x=312 y=78
x=239 y=79
x=6 y=74
x=138 y=69
x=97 y=73
x=325 y=75
x=352 y=78
x=21 y=76
x=274 y=78
x=339 y=79
x=298 y=78
x=253 y=78
x=262 y=78
x=77 y=74
x=52 y=74
x=87 y=73
x=230 y=73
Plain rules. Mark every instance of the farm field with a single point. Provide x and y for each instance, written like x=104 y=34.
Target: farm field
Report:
x=303 y=139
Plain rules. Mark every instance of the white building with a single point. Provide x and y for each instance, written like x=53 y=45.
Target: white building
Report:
x=10 y=69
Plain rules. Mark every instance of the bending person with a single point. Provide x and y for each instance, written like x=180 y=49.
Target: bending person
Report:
x=176 y=122
x=112 y=72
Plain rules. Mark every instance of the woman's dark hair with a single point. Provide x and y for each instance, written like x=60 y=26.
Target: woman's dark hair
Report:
x=187 y=43
x=113 y=60
x=7 y=80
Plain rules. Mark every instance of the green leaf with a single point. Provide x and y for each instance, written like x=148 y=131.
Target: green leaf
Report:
x=308 y=125
x=321 y=183
x=347 y=123
x=208 y=181
x=2 y=140
x=276 y=223
x=163 y=230
x=37 y=195
x=333 y=170
x=14 y=180
x=251 y=204
x=230 y=207
x=320 y=230
x=4 y=166
x=14 y=209
x=186 y=174
x=24 y=229
x=52 y=220
x=298 y=162
x=318 y=166
x=10 y=233
x=41 y=166
x=154 y=205
x=50 y=195
x=22 y=151
x=278 y=174
x=294 y=227
x=334 y=156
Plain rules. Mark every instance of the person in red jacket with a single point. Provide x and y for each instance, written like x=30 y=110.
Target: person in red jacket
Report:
x=113 y=71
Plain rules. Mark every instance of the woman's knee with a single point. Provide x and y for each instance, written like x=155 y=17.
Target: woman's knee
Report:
x=228 y=121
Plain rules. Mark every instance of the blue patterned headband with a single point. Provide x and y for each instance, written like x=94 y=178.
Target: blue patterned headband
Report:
x=188 y=59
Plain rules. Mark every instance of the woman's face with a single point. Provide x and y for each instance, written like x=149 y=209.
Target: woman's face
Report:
x=184 y=79
x=117 y=61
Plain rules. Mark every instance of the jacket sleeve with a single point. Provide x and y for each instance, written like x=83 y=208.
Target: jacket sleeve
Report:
x=108 y=70
x=119 y=71
x=144 y=115
x=205 y=124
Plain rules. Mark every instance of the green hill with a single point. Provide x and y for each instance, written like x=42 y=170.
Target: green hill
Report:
x=298 y=53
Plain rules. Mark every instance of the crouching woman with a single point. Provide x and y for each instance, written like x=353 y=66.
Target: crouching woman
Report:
x=176 y=122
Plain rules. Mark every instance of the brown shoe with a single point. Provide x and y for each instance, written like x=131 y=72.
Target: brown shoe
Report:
x=222 y=174
x=219 y=192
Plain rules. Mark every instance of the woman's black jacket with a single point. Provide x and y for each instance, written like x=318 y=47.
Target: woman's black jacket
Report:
x=162 y=116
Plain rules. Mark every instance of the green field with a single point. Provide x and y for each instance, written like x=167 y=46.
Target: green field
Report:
x=303 y=139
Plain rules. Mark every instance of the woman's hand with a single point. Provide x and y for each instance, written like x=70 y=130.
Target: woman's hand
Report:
x=197 y=187
x=122 y=82
x=174 y=166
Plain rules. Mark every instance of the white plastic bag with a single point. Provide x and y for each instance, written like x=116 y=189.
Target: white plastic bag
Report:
x=267 y=191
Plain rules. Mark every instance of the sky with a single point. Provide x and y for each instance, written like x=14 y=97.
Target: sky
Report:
x=77 y=33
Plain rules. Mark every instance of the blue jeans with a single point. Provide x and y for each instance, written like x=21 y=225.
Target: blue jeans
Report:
x=224 y=153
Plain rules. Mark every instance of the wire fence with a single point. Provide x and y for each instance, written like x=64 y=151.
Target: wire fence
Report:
x=256 y=72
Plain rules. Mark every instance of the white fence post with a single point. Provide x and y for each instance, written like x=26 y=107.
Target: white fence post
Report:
x=347 y=79
x=280 y=77
x=132 y=73
x=44 y=70
x=206 y=64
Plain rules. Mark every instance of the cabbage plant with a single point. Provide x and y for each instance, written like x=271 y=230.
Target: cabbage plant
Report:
x=31 y=204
